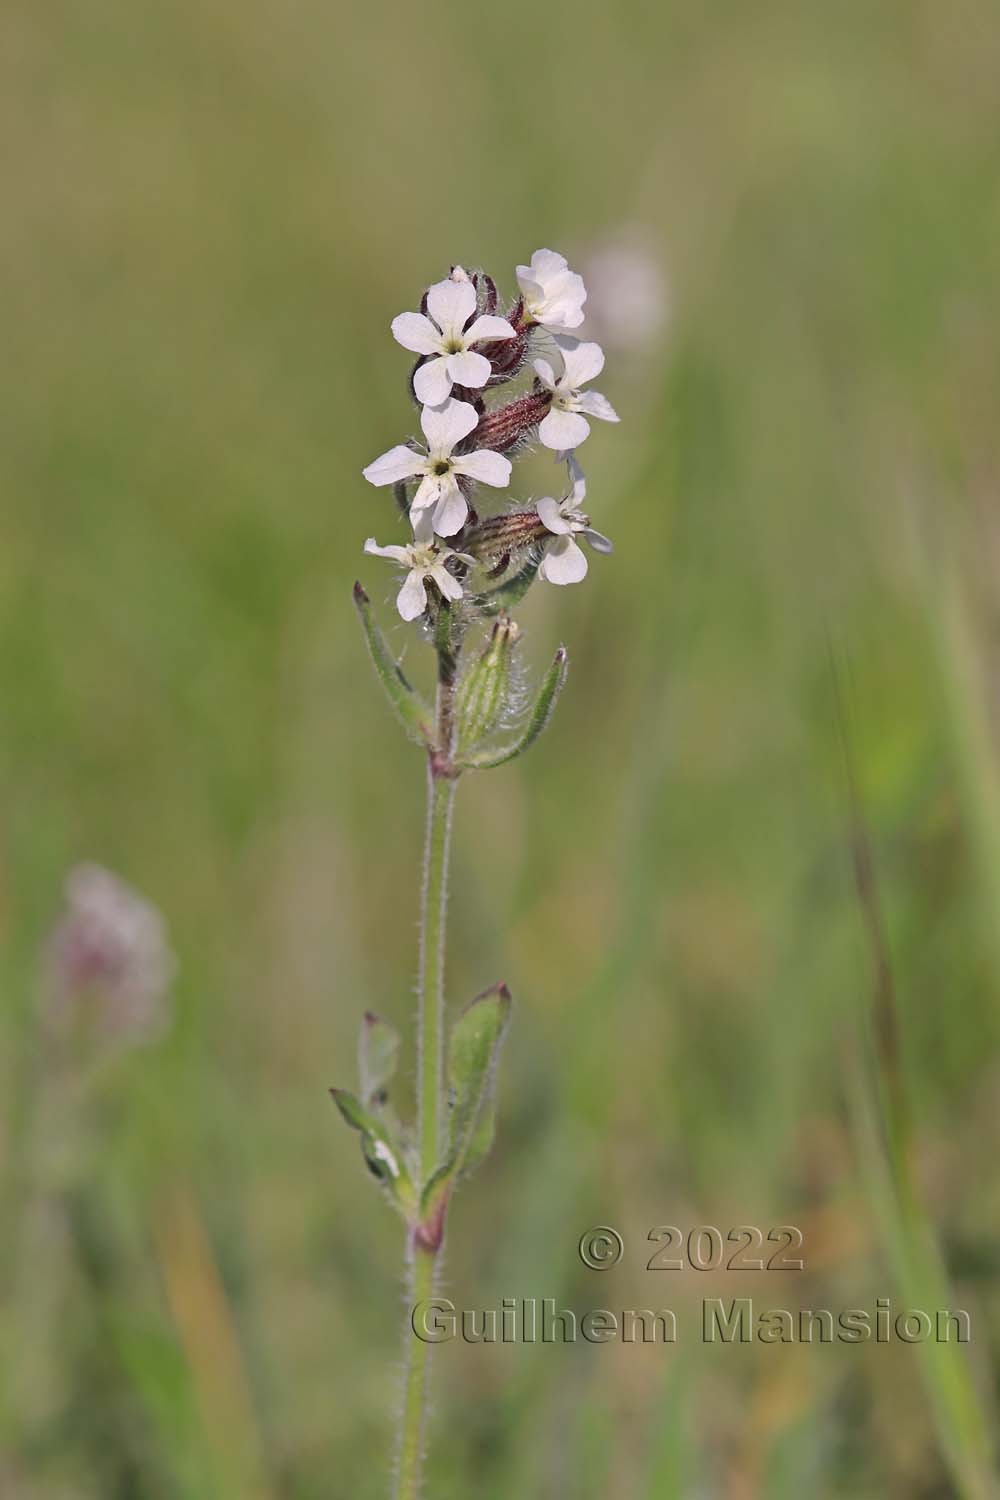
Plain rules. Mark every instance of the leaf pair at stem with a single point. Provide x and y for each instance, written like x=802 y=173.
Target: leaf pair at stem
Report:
x=388 y=1149
x=482 y=695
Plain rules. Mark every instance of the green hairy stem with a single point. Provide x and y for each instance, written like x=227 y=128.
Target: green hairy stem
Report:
x=410 y=1455
x=424 y=1258
x=430 y=995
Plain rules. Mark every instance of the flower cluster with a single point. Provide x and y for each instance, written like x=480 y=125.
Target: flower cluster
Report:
x=463 y=571
x=467 y=350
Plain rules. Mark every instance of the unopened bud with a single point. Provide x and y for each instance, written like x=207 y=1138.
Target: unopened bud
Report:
x=486 y=291
x=496 y=540
x=506 y=356
x=484 y=691
x=503 y=428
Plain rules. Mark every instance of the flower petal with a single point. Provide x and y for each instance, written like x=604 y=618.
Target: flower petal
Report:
x=422 y=522
x=399 y=463
x=411 y=600
x=577 y=480
x=564 y=299
x=397 y=554
x=448 y=424
x=551 y=516
x=581 y=362
x=416 y=332
x=564 y=562
x=563 y=429
x=545 y=373
x=532 y=291
x=452 y=509
x=432 y=383
x=565 y=321
x=427 y=495
x=598 y=541
x=451 y=304
x=596 y=405
x=446 y=582
x=487 y=467
x=488 y=328
x=469 y=368
x=545 y=265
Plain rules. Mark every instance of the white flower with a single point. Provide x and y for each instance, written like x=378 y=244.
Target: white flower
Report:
x=553 y=294
x=450 y=304
x=566 y=426
x=564 y=560
x=444 y=428
x=423 y=558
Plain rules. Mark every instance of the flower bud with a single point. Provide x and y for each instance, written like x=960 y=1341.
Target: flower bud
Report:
x=495 y=540
x=484 y=691
x=486 y=291
x=505 y=426
x=507 y=357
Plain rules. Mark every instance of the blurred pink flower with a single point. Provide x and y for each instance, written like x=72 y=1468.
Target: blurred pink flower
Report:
x=109 y=959
x=630 y=304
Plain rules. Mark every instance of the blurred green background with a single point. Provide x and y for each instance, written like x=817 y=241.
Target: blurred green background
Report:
x=211 y=212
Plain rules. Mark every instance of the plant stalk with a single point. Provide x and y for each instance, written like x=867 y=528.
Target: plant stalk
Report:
x=440 y=800
x=410 y=1458
x=423 y=1262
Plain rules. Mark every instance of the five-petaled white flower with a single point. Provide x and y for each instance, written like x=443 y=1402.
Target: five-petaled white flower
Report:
x=450 y=305
x=553 y=294
x=566 y=426
x=564 y=560
x=424 y=559
x=444 y=428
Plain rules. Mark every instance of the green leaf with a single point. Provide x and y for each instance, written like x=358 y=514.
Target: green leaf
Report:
x=382 y=1153
x=538 y=718
x=507 y=594
x=482 y=1138
x=352 y=1111
x=473 y=1050
x=410 y=708
x=378 y=1054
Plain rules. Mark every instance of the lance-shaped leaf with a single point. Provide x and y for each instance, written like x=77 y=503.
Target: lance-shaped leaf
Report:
x=538 y=718
x=381 y=1152
x=378 y=1054
x=411 y=709
x=482 y=1138
x=473 y=1050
